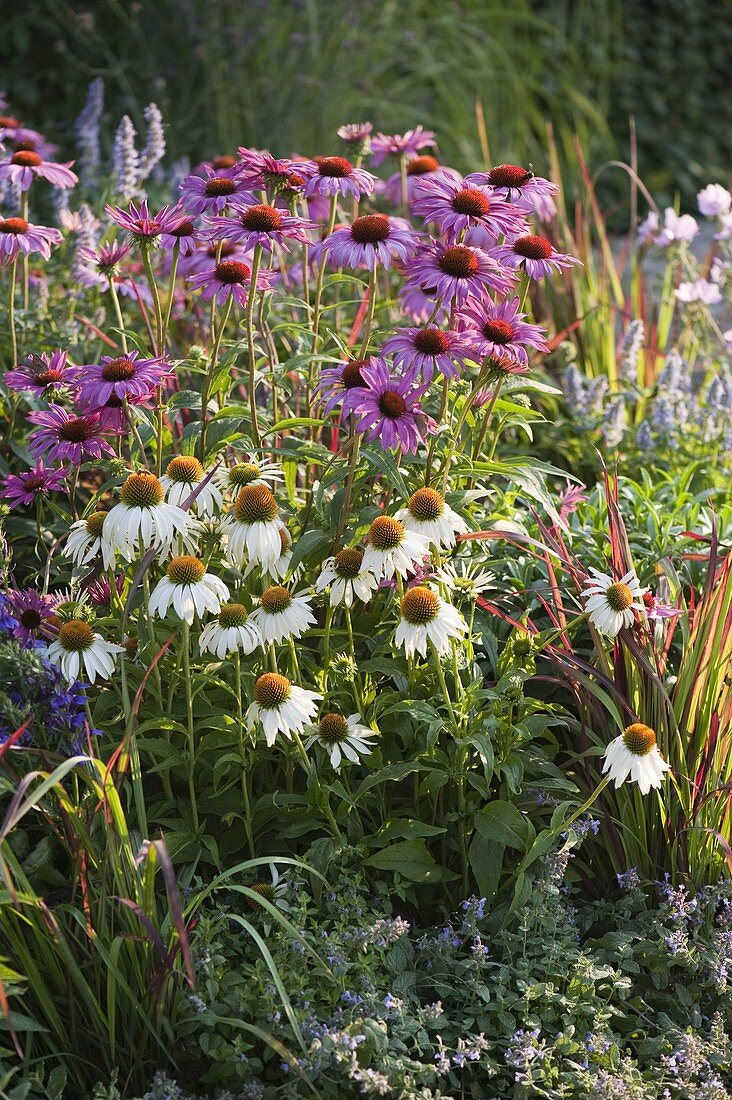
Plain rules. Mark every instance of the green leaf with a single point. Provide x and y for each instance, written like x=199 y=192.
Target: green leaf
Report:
x=503 y=823
x=410 y=858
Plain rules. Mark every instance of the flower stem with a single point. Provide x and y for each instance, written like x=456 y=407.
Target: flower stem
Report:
x=250 y=345
x=243 y=753
x=118 y=313
x=206 y=389
x=11 y=313
x=191 y=730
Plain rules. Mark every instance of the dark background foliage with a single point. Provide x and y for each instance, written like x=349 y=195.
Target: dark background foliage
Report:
x=285 y=73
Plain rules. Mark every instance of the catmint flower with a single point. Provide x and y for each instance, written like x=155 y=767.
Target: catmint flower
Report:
x=125 y=161
x=86 y=130
x=154 y=148
x=630 y=349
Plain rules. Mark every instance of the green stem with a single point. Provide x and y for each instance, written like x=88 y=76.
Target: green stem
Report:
x=250 y=345
x=171 y=289
x=319 y=283
x=118 y=313
x=206 y=390
x=248 y=825
x=152 y=283
x=11 y=313
x=370 y=315
x=191 y=729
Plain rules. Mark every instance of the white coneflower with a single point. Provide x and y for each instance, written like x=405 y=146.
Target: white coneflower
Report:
x=230 y=632
x=253 y=528
x=426 y=618
x=189 y=589
x=342 y=737
x=182 y=476
x=392 y=549
x=431 y=516
x=347 y=578
x=280 y=567
x=274 y=891
x=231 y=479
x=635 y=754
x=465 y=578
x=281 y=615
x=85 y=541
x=143 y=519
x=610 y=603
x=77 y=648
x=281 y=706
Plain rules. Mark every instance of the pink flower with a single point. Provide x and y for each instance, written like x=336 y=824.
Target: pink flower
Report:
x=34 y=613
x=142 y=226
x=42 y=374
x=25 y=164
x=518 y=185
x=536 y=255
x=126 y=377
x=212 y=192
x=342 y=385
x=456 y=271
x=498 y=330
x=19 y=236
x=714 y=200
x=355 y=133
x=456 y=205
x=258 y=224
x=388 y=408
x=424 y=350
x=229 y=279
x=699 y=291
x=370 y=240
x=26 y=487
x=420 y=170
x=407 y=144
x=676 y=229
x=66 y=437
x=330 y=176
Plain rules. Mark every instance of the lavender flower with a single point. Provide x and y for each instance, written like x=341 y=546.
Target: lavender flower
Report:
x=154 y=149
x=86 y=130
x=125 y=161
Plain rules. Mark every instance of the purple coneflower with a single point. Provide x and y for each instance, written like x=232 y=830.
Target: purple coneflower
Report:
x=205 y=255
x=259 y=224
x=369 y=240
x=498 y=331
x=22 y=137
x=457 y=271
x=212 y=192
x=389 y=410
x=427 y=349
x=229 y=279
x=180 y=233
x=35 y=615
x=420 y=170
x=343 y=385
x=329 y=176
x=408 y=144
x=535 y=255
x=112 y=415
x=657 y=610
x=420 y=307
x=262 y=172
x=105 y=260
x=456 y=205
x=355 y=133
x=17 y=235
x=518 y=185
x=42 y=374
x=142 y=226
x=25 y=164
x=66 y=437
x=27 y=486
x=126 y=377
